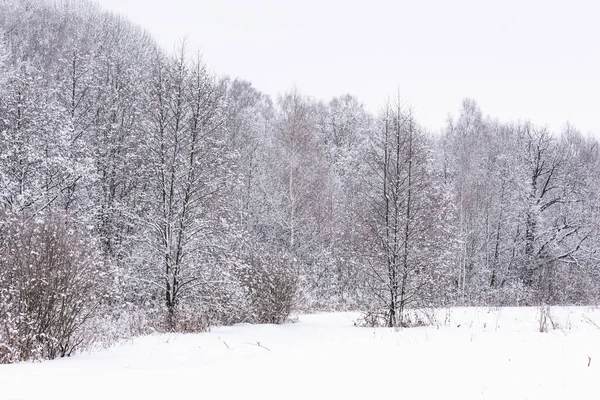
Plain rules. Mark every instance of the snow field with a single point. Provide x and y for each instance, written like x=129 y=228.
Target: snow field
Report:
x=469 y=353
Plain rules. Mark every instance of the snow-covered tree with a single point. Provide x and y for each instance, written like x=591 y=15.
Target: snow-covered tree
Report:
x=408 y=217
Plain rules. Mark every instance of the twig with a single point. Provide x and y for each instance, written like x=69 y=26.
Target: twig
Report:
x=589 y=320
x=258 y=345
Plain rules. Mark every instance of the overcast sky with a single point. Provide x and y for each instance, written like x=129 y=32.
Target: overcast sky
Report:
x=519 y=59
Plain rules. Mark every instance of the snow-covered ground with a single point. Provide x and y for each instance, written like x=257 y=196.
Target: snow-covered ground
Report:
x=469 y=353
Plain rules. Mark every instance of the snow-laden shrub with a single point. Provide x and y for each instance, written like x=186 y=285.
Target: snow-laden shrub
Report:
x=270 y=283
x=191 y=318
x=223 y=300
x=49 y=280
x=371 y=319
x=331 y=281
x=420 y=317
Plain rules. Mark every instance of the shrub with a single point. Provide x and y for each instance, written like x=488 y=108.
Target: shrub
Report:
x=48 y=279
x=270 y=283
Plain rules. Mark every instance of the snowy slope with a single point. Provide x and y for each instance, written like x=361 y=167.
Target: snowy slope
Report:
x=493 y=354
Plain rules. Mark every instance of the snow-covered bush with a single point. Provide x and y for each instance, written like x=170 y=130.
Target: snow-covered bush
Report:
x=371 y=319
x=270 y=284
x=49 y=280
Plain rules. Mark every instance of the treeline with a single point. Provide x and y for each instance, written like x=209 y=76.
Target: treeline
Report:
x=141 y=193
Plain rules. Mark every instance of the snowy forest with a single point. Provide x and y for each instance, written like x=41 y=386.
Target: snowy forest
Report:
x=141 y=192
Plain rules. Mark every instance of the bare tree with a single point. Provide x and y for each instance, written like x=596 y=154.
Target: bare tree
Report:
x=185 y=176
x=404 y=215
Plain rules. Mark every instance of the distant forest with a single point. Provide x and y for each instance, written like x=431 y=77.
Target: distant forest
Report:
x=141 y=193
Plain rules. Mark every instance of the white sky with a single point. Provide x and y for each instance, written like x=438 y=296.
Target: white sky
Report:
x=531 y=59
